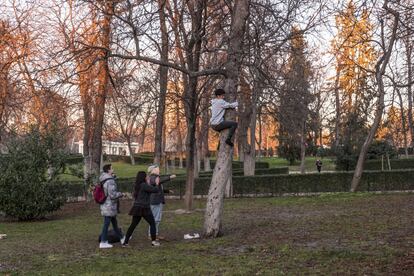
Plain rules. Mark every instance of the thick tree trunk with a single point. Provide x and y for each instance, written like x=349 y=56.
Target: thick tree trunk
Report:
x=222 y=170
x=163 y=84
x=379 y=73
x=191 y=115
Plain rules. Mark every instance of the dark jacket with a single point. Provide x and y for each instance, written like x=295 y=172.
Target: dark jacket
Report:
x=158 y=198
x=143 y=197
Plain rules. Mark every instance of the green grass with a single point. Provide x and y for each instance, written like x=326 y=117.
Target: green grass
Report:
x=347 y=234
x=328 y=163
x=125 y=170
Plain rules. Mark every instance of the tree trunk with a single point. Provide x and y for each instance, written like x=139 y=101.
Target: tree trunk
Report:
x=379 y=73
x=302 y=152
x=222 y=170
x=131 y=152
x=205 y=152
x=144 y=130
x=94 y=114
x=249 y=164
x=403 y=123
x=408 y=52
x=163 y=84
x=191 y=115
x=259 y=142
x=337 y=108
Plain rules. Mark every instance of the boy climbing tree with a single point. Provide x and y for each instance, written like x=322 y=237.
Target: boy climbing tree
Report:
x=218 y=108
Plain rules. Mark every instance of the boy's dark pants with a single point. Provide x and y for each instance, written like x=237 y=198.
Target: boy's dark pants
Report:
x=226 y=125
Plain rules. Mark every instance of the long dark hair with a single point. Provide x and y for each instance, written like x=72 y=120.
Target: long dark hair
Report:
x=141 y=177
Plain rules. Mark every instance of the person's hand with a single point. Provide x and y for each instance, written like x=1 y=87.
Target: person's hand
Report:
x=157 y=180
x=173 y=176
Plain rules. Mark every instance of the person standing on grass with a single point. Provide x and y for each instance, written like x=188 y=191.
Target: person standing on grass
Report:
x=218 y=108
x=157 y=199
x=141 y=207
x=109 y=209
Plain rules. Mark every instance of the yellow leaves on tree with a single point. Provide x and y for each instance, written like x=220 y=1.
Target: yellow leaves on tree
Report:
x=355 y=55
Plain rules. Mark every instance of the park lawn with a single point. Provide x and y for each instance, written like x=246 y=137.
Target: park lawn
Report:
x=328 y=163
x=125 y=170
x=345 y=234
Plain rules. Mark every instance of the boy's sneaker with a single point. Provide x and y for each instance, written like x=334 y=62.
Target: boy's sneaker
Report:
x=105 y=245
x=125 y=245
x=229 y=142
x=155 y=243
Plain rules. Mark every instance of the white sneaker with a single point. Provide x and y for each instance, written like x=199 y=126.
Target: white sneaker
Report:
x=105 y=245
x=122 y=240
x=155 y=243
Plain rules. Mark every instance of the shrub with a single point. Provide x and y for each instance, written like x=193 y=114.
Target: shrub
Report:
x=396 y=164
x=240 y=172
x=293 y=183
x=380 y=148
x=29 y=183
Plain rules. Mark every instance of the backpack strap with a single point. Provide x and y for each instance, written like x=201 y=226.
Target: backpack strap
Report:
x=103 y=183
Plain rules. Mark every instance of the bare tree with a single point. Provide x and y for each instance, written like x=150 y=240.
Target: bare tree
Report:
x=387 y=44
x=222 y=169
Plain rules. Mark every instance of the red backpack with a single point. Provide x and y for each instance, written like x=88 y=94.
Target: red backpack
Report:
x=99 y=192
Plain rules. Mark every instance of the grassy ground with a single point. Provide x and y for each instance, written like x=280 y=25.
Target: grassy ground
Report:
x=328 y=163
x=125 y=170
x=345 y=234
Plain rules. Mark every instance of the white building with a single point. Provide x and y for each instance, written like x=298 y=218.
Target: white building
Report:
x=111 y=148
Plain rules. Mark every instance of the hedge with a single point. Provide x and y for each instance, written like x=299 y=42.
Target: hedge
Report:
x=74 y=159
x=280 y=184
x=396 y=164
x=240 y=172
x=236 y=164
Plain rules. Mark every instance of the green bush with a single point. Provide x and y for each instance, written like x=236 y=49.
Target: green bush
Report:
x=293 y=183
x=74 y=159
x=240 y=172
x=380 y=148
x=29 y=183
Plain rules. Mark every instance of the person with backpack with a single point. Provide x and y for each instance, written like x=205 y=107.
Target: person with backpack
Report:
x=141 y=207
x=158 y=199
x=109 y=208
x=218 y=108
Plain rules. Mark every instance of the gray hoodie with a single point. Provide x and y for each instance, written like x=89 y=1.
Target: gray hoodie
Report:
x=110 y=207
x=218 y=107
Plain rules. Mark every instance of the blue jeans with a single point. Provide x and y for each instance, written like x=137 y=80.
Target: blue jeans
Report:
x=107 y=221
x=157 y=213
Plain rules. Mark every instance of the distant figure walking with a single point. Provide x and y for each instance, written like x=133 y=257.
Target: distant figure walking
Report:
x=141 y=207
x=218 y=108
x=318 y=165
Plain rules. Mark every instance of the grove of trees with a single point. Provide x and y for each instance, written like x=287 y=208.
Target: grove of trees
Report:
x=307 y=75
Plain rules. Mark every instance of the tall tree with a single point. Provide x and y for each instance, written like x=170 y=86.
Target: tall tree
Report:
x=387 y=44
x=159 y=126
x=222 y=169
x=355 y=57
x=295 y=99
